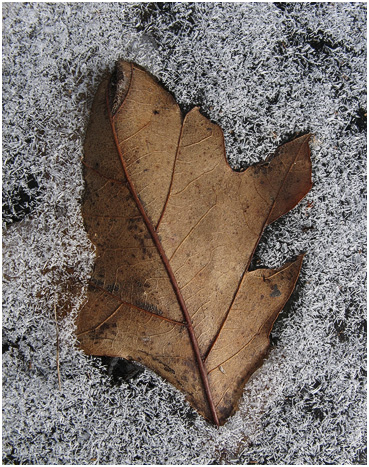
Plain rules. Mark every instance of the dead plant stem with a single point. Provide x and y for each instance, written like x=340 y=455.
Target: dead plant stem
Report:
x=57 y=343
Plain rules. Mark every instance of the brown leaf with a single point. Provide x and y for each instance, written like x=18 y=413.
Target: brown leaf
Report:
x=175 y=230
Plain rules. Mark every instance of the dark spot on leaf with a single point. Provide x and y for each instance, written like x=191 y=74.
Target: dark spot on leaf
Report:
x=276 y=292
x=169 y=369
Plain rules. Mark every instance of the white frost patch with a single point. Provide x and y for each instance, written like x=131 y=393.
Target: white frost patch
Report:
x=262 y=72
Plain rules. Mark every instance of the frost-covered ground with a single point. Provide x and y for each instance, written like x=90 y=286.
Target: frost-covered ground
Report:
x=263 y=71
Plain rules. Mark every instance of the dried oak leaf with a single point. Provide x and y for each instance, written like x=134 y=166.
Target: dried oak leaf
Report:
x=175 y=229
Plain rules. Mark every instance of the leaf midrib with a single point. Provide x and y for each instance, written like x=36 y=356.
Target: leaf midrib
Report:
x=156 y=240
